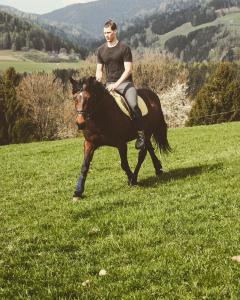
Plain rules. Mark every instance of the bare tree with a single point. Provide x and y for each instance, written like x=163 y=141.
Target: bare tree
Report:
x=51 y=110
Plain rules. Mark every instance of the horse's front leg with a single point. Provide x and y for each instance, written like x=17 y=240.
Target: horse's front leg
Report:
x=88 y=155
x=141 y=156
x=124 y=162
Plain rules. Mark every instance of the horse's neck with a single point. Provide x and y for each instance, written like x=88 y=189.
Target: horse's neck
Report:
x=105 y=112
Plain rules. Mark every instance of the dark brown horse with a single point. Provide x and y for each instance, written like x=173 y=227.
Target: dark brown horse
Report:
x=104 y=124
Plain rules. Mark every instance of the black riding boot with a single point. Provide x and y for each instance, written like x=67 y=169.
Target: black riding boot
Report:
x=138 y=119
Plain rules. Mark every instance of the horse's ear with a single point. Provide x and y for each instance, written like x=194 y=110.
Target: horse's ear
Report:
x=92 y=80
x=73 y=82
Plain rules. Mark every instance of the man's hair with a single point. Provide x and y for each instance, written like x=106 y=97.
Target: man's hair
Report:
x=111 y=24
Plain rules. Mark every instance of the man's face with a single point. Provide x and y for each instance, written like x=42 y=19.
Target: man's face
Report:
x=110 y=35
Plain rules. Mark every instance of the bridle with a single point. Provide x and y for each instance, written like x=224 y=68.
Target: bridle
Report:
x=85 y=113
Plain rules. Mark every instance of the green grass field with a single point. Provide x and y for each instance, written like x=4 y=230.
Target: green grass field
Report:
x=17 y=59
x=168 y=238
x=29 y=66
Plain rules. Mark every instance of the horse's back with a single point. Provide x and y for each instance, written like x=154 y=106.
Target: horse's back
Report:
x=150 y=97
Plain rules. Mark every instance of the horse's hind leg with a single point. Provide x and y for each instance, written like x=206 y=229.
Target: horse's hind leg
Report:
x=141 y=156
x=156 y=162
x=124 y=162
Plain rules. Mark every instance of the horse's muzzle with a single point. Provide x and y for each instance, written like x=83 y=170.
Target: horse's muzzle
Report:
x=80 y=121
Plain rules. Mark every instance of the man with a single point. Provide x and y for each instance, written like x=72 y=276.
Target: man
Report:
x=116 y=56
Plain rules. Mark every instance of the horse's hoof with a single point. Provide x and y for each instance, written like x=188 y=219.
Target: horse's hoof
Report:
x=132 y=182
x=77 y=196
x=159 y=173
x=76 y=199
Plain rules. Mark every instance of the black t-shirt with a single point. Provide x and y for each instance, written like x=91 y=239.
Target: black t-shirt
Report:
x=113 y=59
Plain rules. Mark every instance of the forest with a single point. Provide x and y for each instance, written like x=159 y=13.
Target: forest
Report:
x=18 y=34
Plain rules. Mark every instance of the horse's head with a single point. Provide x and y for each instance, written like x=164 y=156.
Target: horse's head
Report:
x=85 y=96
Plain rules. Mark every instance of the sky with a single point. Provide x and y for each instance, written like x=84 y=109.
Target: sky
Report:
x=40 y=6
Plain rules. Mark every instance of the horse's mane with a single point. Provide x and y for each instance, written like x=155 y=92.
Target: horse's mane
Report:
x=93 y=85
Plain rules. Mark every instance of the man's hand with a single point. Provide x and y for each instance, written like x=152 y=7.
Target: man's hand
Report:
x=112 y=87
x=99 y=72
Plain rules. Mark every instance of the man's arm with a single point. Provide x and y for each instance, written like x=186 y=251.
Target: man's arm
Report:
x=99 y=72
x=128 y=66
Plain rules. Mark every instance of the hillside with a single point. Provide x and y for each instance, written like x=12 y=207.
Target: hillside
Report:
x=168 y=238
x=81 y=15
x=191 y=30
x=62 y=30
x=230 y=20
x=215 y=41
x=18 y=13
x=196 y=33
x=76 y=19
x=17 y=33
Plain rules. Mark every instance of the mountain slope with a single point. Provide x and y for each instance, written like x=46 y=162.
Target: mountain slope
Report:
x=177 y=26
x=18 y=13
x=88 y=18
x=63 y=31
x=91 y=16
x=193 y=34
x=18 y=33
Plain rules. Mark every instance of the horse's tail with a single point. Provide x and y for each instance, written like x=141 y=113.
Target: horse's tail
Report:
x=160 y=138
x=160 y=133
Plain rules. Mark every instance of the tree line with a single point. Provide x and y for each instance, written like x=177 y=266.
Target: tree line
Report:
x=17 y=34
x=39 y=106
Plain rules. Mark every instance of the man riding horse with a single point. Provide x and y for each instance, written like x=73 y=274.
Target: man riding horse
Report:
x=104 y=124
x=116 y=56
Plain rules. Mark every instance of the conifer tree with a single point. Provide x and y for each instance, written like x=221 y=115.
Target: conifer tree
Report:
x=219 y=99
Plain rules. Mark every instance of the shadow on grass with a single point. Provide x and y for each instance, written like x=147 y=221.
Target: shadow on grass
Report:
x=123 y=202
x=177 y=174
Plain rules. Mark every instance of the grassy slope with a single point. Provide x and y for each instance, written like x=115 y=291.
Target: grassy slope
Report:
x=228 y=20
x=168 y=238
x=18 y=60
x=35 y=67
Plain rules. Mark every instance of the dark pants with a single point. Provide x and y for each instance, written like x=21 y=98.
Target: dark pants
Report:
x=128 y=90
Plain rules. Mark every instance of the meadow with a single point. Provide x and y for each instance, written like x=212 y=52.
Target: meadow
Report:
x=18 y=60
x=168 y=238
x=30 y=66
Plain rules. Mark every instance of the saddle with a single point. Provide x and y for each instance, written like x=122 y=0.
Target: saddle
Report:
x=123 y=105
